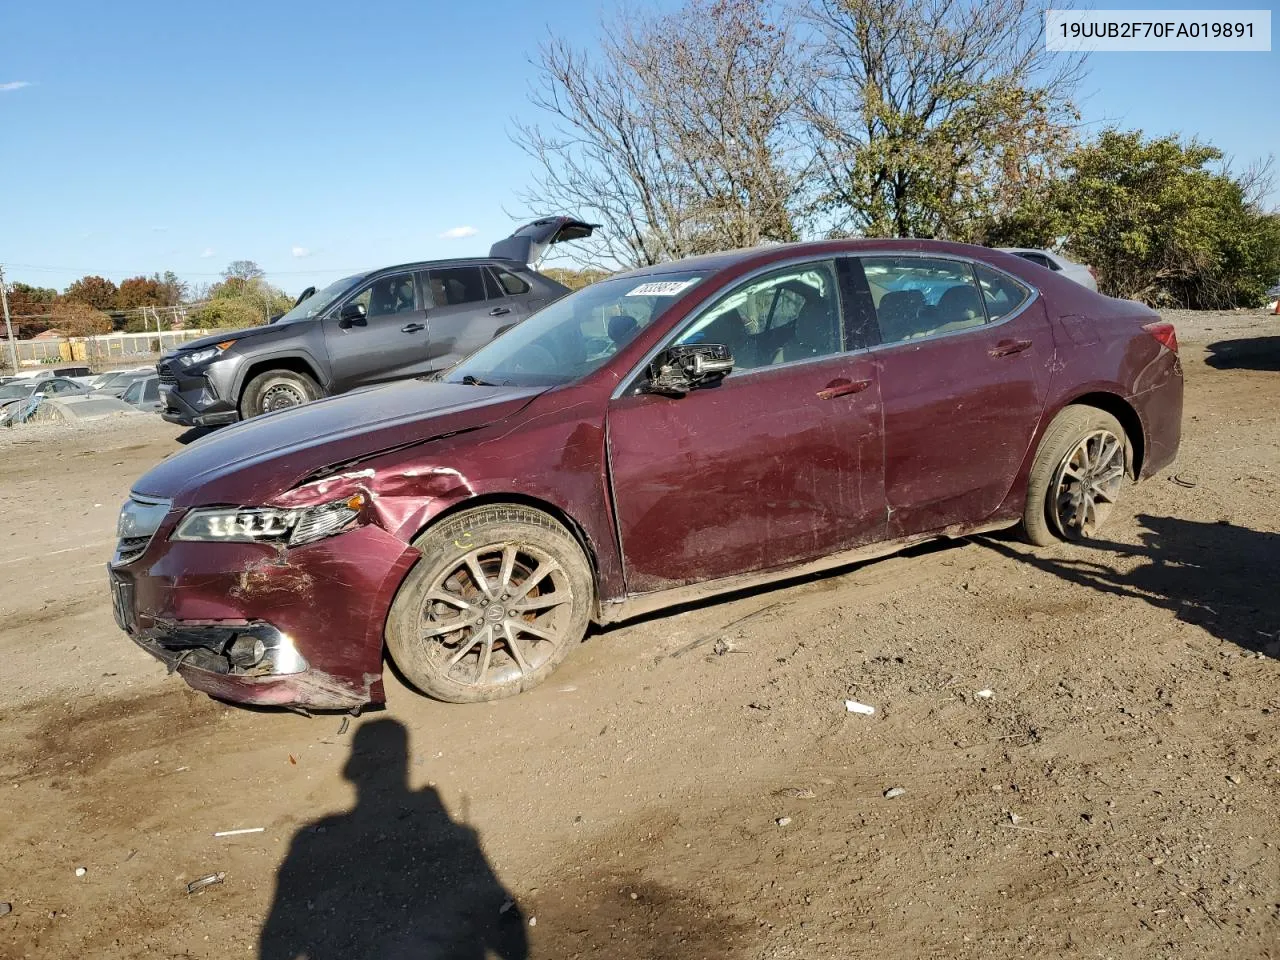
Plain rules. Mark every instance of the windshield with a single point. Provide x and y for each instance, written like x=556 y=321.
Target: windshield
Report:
x=13 y=391
x=319 y=301
x=574 y=336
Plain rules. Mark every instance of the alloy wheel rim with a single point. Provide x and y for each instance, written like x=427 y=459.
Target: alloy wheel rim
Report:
x=281 y=396
x=1087 y=484
x=495 y=615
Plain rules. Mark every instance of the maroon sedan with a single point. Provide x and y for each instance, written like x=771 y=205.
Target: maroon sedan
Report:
x=660 y=436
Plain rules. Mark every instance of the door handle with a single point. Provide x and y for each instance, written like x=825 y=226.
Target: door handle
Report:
x=843 y=388
x=413 y=327
x=1007 y=348
x=499 y=311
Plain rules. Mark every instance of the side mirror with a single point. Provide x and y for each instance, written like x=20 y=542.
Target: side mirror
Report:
x=677 y=370
x=353 y=315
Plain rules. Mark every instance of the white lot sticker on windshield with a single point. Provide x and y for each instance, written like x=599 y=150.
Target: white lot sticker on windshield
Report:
x=661 y=288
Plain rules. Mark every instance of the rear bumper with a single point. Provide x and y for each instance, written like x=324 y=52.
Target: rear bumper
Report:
x=317 y=610
x=1160 y=410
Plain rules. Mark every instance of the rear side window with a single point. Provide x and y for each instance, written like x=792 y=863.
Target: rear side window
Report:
x=512 y=284
x=1001 y=293
x=456 y=285
x=920 y=297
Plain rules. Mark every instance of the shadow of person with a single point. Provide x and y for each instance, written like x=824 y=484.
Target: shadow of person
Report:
x=395 y=877
x=1218 y=576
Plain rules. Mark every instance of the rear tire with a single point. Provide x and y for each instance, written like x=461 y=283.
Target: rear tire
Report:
x=499 y=597
x=275 y=390
x=1076 y=477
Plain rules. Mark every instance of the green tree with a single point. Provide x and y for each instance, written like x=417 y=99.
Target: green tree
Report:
x=1159 y=220
x=93 y=292
x=227 y=313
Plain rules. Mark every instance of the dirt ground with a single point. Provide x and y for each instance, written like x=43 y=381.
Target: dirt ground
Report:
x=1086 y=738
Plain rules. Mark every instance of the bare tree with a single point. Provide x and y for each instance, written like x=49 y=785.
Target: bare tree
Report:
x=680 y=136
x=928 y=116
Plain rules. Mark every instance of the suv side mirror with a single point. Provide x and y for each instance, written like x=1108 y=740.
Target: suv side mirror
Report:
x=353 y=315
x=677 y=370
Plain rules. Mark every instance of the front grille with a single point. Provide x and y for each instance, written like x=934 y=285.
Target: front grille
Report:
x=129 y=549
x=166 y=373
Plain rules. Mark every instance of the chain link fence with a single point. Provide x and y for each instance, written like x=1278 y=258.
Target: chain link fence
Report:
x=107 y=350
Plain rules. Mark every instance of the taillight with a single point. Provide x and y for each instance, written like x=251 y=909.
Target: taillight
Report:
x=1163 y=332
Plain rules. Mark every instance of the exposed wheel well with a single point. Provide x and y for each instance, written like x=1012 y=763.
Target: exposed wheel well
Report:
x=534 y=503
x=1119 y=408
x=296 y=364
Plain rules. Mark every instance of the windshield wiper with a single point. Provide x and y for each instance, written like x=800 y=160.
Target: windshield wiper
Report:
x=471 y=381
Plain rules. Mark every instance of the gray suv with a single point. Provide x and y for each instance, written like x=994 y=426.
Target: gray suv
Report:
x=403 y=321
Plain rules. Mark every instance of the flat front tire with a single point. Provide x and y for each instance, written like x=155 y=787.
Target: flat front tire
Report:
x=1077 y=476
x=500 y=596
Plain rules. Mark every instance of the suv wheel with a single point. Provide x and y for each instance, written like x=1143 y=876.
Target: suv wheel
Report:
x=277 y=390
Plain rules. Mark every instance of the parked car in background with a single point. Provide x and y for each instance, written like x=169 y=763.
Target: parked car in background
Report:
x=666 y=435
x=115 y=384
x=13 y=394
x=388 y=324
x=144 y=394
x=1084 y=275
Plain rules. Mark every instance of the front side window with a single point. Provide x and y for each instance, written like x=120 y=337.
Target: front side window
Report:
x=920 y=297
x=387 y=296
x=453 y=286
x=575 y=335
x=151 y=392
x=789 y=315
x=134 y=393
x=320 y=301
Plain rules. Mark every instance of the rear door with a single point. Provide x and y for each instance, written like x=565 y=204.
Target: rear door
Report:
x=964 y=367
x=780 y=463
x=389 y=343
x=467 y=309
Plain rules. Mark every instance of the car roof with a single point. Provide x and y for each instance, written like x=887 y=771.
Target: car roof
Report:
x=453 y=262
x=763 y=255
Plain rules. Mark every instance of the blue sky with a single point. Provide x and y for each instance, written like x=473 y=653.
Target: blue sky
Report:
x=318 y=138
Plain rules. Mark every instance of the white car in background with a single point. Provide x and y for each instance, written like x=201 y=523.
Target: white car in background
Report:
x=1079 y=272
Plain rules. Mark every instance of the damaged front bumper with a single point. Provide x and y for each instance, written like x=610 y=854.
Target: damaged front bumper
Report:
x=257 y=624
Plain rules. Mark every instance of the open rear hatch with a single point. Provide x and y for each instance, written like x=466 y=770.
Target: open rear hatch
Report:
x=529 y=244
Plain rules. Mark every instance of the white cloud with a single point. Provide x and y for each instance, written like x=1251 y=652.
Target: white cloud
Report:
x=207 y=253
x=458 y=233
x=14 y=85
x=301 y=252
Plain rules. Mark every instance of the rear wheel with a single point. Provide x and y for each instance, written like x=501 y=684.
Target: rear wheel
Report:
x=1077 y=476
x=498 y=599
x=275 y=390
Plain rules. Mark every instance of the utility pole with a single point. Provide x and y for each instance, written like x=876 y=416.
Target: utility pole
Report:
x=8 y=325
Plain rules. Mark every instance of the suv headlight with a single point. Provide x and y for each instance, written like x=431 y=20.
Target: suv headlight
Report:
x=203 y=355
x=292 y=526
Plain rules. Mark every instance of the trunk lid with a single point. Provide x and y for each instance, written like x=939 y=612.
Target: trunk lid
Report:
x=529 y=244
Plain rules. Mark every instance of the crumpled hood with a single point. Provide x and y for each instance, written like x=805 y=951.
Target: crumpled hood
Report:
x=259 y=459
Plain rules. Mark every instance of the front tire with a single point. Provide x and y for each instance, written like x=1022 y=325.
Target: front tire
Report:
x=275 y=390
x=1076 y=477
x=499 y=597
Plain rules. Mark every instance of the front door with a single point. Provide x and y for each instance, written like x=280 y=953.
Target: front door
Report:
x=389 y=343
x=778 y=464
x=964 y=372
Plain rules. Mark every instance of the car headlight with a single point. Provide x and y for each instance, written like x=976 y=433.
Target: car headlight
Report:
x=292 y=526
x=203 y=355
x=141 y=517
